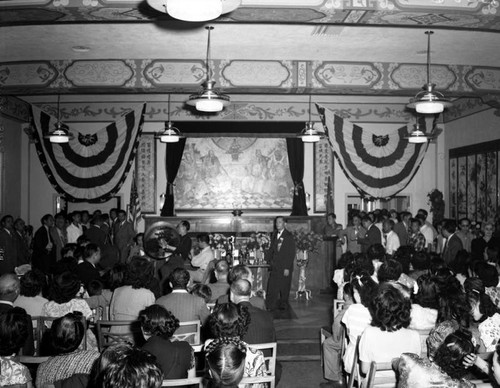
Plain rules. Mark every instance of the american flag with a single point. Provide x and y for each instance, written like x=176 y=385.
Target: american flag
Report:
x=134 y=204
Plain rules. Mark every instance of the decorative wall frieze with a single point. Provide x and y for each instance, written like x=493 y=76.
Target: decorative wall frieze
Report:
x=15 y=108
x=243 y=76
x=462 y=14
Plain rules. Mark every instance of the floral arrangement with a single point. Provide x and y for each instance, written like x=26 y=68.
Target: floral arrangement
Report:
x=219 y=241
x=258 y=240
x=307 y=241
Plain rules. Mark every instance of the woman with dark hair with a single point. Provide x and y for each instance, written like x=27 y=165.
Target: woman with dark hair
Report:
x=175 y=358
x=226 y=362
x=13 y=333
x=66 y=336
x=32 y=284
x=137 y=247
x=357 y=317
x=388 y=336
x=424 y=310
x=484 y=313
x=229 y=322
x=129 y=300
x=453 y=303
x=451 y=355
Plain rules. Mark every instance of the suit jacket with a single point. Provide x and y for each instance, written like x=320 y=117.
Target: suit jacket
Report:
x=372 y=236
x=123 y=237
x=96 y=235
x=353 y=245
x=174 y=357
x=453 y=245
x=402 y=231
x=9 y=246
x=282 y=251
x=59 y=241
x=261 y=329
x=86 y=272
x=185 y=307
x=43 y=259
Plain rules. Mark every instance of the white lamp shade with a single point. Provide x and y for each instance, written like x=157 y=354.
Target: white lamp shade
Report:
x=417 y=137
x=429 y=107
x=194 y=10
x=59 y=139
x=169 y=138
x=311 y=138
x=209 y=105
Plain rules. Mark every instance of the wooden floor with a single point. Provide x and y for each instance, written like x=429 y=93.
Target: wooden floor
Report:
x=299 y=343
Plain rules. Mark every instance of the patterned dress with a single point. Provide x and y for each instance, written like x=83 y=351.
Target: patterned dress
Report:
x=13 y=373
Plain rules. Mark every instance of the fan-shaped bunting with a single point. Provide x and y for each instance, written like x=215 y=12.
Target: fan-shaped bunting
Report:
x=93 y=167
x=379 y=166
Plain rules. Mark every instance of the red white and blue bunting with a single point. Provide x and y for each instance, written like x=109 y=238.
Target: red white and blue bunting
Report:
x=91 y=167
x=378 y=165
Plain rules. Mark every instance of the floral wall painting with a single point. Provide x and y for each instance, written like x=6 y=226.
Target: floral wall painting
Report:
x=226 y=173
x=473 y=181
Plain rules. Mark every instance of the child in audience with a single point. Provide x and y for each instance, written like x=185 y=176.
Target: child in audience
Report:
x=226 y=362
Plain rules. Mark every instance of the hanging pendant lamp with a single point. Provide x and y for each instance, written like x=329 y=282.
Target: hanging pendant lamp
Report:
x=60 y=134
x=309 y=134
x=429 y=101
x=417 y=136
x=209 y=99
x=194 y=10
x=170 y=134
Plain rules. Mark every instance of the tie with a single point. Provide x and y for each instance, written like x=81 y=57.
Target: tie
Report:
x=385 y=240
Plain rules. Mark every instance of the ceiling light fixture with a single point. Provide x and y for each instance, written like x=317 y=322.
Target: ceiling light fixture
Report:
x=195 y=10
x=209 y=99
x=171 y=134
x=429 y=101
x=417 y=136
x=309 y=134
x=60 y=134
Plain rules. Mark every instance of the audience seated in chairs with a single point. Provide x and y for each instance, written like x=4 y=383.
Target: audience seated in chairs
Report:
x=242 y=272
x=133 y=368
x=180 y=302
x=221 y=286
x=229 y=322
x=203 y=291
x=226 y=360
x=129 y=300
x=175 y=358
x=13 y=333
x=66 y=335
x=32 y=284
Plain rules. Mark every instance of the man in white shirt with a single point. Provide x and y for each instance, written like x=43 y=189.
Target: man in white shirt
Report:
x=202 y=259
x=74 y=230
x=390 y=239
x=427 y=232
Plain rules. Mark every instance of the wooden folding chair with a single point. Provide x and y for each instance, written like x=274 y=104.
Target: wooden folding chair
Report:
x=258 y=380
x=188 y=331
x=269 y=349
x=424 y=334
x=338 y=305
x=114 y=332
x=354 y=367
x=388 y=380
x=324 y=334
x=183 y=382
x=34 y=360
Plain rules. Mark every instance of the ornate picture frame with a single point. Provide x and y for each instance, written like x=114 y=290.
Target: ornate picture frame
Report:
x=323 y=175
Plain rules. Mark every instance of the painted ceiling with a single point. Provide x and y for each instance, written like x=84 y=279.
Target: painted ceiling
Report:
x=323 y=47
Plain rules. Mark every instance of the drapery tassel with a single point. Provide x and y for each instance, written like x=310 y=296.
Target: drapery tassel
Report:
x=170 y=188
x=297 y=187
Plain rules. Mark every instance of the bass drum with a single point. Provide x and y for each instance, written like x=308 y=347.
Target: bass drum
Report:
x=158 y=236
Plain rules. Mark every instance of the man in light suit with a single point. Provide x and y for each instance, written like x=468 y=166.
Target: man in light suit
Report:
x=59 y=235
x=180 y=302
x=281 y=255
x=124 y=234
x=44 y=250
x=352 y=234
x=453 y=244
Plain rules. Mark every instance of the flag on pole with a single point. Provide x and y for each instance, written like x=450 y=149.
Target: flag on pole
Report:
x=134 y=204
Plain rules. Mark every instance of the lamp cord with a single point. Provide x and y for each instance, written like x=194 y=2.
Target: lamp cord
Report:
x=429 y=33
x=209 y=70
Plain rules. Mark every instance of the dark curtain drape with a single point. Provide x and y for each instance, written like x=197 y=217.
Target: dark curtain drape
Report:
x=173 y=162
x=295 y=148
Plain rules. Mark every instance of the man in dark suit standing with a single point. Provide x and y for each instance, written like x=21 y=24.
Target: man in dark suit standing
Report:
x=8 y=246
x=281 y=255
x=453 y=244
x=124 y=234
x=87 y=271
x=402 y=228
x=372 y=236
x=96 y=233
x=44 y=252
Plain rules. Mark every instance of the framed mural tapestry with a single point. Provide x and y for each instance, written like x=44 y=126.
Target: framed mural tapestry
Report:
x=226 y=173
x=145 y=162
x=473 y=181
x=323 y=175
